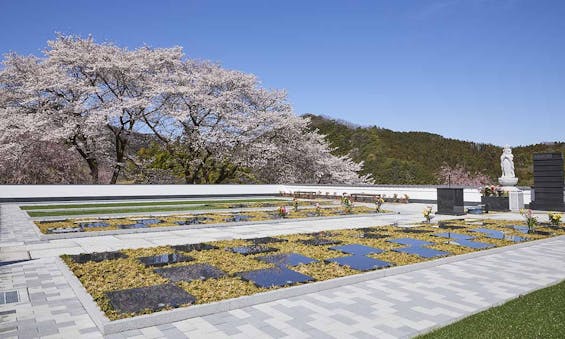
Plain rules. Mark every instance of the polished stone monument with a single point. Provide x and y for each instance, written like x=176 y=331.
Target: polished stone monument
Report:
x=548 y=182
x=450 y=201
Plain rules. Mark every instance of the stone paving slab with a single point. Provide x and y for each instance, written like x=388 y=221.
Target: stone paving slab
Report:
x=396 y=306
x=390 y=307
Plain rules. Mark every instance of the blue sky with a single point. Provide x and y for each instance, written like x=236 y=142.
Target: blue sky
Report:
x=482 y=70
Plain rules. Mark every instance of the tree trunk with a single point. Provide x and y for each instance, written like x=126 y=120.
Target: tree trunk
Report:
x=93 y=167
x=90 y=161
x=121 y=144
x=188 y=178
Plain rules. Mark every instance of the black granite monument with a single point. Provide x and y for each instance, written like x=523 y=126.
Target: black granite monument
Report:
x=496 y=203
x=450 y=201
x=548 y=182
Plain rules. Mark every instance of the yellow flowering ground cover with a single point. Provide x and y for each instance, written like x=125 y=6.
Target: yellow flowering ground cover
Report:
x=128 y=272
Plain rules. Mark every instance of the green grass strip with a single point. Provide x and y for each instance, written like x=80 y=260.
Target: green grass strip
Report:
x=540 y=314
x=123 y=210
x=142 y=203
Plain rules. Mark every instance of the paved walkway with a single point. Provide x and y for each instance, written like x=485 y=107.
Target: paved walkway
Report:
x=402 y=305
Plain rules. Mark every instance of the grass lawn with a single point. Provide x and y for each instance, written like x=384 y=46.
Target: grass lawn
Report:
x=147 y=209
x=540 y=314
x=142 y=203
x=202 y=205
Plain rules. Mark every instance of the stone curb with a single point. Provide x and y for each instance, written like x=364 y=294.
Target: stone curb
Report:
x=164 y=317
x=191 y=227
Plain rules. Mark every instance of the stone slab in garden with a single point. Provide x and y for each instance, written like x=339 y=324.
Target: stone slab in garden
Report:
x=457 y=236
x=97 y=257
x=444 y=225
x=287 y=259
x=194 y=221
x=423 y=252
x=320 y=242
x=152 y=297
x=357 y=249
x=278 y=276
x=93 y=224
x=414 y=230
x=473 y=244
x=237 y=218
x=360 y=262
x=410 y=242
x=370 y=235
x=194 y=247
x=132 y=226
x=254 y=249
x=164 y=259
x=496 y=234
x=147 y=221
x=267 y=240
x=190 y=272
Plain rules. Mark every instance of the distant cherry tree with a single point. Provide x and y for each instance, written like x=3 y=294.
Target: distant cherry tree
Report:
x=38 y=162
x=459 y=175
x=300 y=155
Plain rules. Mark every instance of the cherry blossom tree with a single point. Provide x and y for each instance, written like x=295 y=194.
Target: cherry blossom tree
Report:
x=85 y=94
x=300 y=155
x=31 y=162
x=213 y=122
x=219 y=122
x=458 y=175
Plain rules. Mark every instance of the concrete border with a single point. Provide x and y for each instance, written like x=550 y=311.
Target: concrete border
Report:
x=163 y=317
x=190 y=227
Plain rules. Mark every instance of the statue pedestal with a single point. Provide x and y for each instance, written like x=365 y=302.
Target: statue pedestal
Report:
x=516 y=199
x=507 y=181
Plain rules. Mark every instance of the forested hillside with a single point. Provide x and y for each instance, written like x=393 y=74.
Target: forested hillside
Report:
x=416 y=157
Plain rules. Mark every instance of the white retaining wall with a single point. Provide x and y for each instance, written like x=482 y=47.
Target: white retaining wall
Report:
x=83 y=191
x=54 y=192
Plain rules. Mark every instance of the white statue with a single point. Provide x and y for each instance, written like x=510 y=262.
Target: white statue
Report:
x=507 y=164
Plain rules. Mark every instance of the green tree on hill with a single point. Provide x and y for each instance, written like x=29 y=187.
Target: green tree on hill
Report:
x=417 y=157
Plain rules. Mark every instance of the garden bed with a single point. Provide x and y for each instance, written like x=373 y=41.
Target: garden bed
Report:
x=37 y=211
x=132 y=282
x=145 y=203
x=82 y=225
